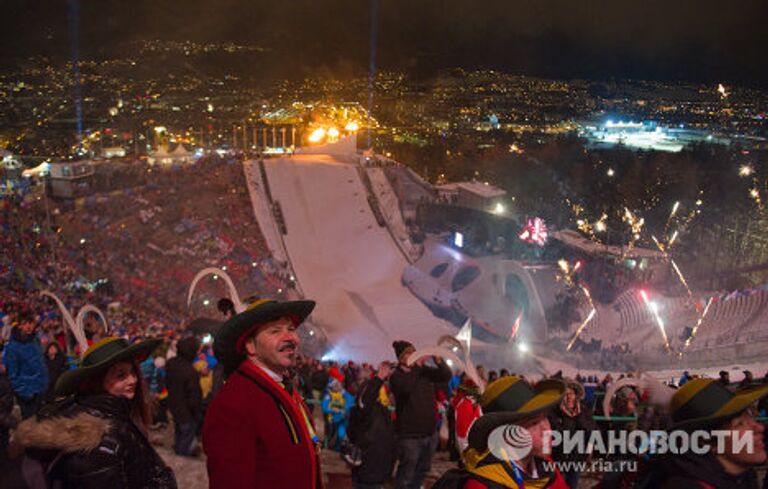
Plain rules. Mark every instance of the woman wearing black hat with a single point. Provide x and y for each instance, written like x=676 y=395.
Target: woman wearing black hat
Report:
x=96 y=436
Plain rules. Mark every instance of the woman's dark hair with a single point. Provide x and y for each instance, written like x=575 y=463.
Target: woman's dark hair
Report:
x=141 y=408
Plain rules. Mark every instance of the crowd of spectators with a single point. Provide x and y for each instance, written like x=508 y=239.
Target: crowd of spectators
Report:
x=134 y=252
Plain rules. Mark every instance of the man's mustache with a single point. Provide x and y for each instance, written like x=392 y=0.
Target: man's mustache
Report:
x=290 y=345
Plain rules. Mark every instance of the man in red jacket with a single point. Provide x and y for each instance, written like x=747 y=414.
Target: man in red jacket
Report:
x=258 y=432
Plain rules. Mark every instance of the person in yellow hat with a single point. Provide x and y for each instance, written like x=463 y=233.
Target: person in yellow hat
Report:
x=507 y=443
x=705 y=405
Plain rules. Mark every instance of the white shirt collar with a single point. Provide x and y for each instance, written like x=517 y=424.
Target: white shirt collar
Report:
x=272 y=374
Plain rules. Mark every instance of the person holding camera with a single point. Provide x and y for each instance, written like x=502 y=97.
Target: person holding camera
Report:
x=416 y=423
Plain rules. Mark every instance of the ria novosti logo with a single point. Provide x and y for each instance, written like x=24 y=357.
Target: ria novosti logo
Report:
x=510 y=442
x=514 y=442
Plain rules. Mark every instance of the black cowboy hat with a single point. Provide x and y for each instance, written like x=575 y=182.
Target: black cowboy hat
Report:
x=707 y=403
x=99 y=357
x=228 y=341
x=510 y=399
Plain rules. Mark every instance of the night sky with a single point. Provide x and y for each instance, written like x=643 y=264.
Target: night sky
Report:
x=649 y=39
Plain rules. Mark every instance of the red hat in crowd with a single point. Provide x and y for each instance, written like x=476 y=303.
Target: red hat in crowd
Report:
x=334 y=372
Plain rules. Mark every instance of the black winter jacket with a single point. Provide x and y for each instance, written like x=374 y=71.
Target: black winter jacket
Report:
x=91 y=442
x=562 y=422
x=377 y=437
x=185 y=397
x=415 y=399
x=691 y=471
x=56 y=366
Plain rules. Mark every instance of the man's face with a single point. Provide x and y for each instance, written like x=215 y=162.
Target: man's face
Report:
x=27 y=327
x=746 y=457
x=275 y=345
x=406 y=355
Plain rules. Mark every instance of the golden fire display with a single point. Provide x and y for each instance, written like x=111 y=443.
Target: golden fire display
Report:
x=590 y=316
x=698 y=323
x=653 y=308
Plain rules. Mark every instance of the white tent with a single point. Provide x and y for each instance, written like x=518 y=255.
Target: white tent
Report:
x=161 y=156
x=181 y=152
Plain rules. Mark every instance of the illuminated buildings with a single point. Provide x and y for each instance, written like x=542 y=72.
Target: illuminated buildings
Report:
x=645 y=136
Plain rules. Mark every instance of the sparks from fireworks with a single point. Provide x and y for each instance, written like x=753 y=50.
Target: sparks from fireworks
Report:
x=585 y=226
x=581 y=328
x=671 y=216
x=678 y=272
x=746 y=170
x=682 y=278
x=698 y=323
x=567 y=277
x=692 y=215
x=672 y=239
x=636 y=225
x=535 y=231
x=567 y=272
x=653 y=307
x=592 y=314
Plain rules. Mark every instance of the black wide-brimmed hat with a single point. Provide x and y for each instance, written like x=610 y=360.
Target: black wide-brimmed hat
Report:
x=99 y=357
x=707 y=403
x=229 y=341
x=511 y=399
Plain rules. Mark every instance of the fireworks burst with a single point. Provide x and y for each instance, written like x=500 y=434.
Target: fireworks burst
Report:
x=698 y=323
x=636 y=225
x=682 y=278
x=678 y=272
x=581 y=328
x=566 y=271
x=653 y=307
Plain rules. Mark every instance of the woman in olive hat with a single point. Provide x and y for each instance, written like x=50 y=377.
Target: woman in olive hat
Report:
x=94 y=435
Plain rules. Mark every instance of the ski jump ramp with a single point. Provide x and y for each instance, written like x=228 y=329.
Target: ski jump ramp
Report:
x=342 y=258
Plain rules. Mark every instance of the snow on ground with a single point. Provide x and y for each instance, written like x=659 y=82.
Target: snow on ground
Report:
x=263 y=212
x=345 y=261
x=390 y=208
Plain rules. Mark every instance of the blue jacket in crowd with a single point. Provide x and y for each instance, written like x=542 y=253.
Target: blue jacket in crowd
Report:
x=25 y=365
